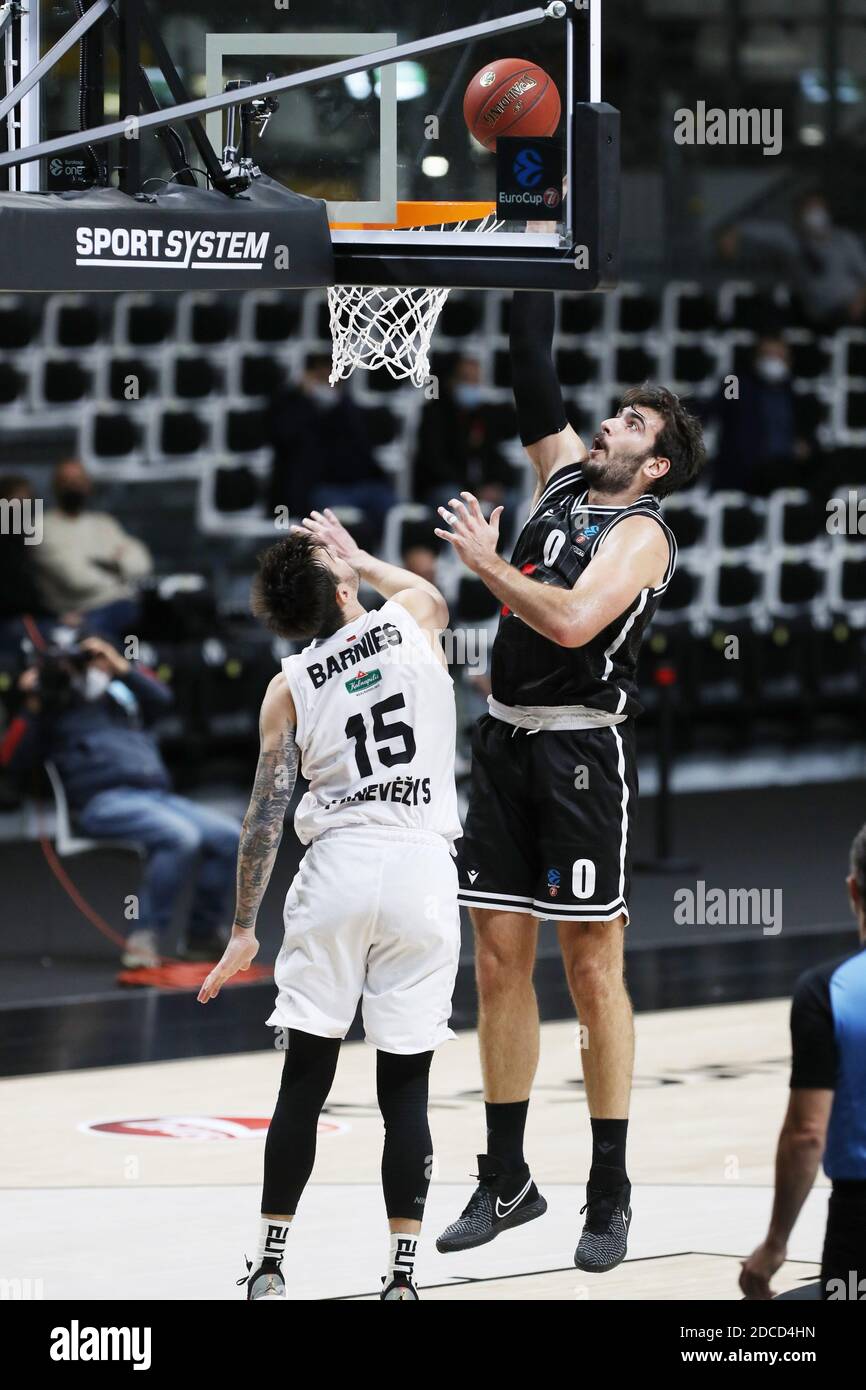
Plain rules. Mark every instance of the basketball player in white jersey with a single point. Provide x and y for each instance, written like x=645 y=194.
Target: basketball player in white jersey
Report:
x=368 y=710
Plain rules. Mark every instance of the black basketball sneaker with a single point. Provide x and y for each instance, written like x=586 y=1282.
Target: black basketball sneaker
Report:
x=399 y=1290
x=604 y=1240
x=266 y=1282
x=500 y=1201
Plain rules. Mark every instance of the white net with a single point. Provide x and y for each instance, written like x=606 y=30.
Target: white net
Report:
x=375 y=326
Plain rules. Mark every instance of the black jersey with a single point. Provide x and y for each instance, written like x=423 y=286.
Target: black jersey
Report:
x=555 y=546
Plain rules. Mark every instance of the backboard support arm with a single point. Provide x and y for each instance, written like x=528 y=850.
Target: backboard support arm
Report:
x=191 y=110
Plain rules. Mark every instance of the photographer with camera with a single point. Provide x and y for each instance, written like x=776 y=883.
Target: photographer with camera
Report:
x=86 y=708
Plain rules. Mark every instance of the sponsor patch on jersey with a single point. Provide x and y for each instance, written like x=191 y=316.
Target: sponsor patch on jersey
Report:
x=587 y=533
x=364 y=680
x=553 y=881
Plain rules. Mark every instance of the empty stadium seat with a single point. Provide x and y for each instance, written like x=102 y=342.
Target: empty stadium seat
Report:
x=112 y=437
x=259 y=374
x=689 y=519
x=692 y=362
x=13 y=384
x=635 y=362
x=688 y=308
x=794 y=519
x=462 y=315
x=179 y=433
x=741 y=520
x=683 y=600
x=638 y=311
x=736 y=590
x=205 y=319
x=130 y=377
x=269 y=317
x=60 y=381
x=73 y=321
x=847 y=586
x=580 y=314
x=796 y=584
x=144 y=320
x=574 y=366
x=194 y=376
x=20 y=319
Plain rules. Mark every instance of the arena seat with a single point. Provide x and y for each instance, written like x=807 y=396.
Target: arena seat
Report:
x=143 y=320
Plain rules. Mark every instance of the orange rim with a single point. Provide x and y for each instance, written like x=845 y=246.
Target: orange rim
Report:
x=422 y=215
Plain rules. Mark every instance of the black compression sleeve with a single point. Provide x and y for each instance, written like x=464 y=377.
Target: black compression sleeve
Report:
x=537 y=394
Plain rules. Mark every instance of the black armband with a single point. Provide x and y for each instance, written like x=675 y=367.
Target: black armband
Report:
x=537 y=393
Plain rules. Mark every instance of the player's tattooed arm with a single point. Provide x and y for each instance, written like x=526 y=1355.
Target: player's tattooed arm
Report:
x=276 y=775
x=262 y=831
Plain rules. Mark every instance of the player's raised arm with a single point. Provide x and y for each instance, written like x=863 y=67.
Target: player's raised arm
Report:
x=391 y=581
x=634 y=558
x=262 y=831
x=545 y=433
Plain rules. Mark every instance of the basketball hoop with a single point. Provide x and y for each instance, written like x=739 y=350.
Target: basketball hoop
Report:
x=390 y=326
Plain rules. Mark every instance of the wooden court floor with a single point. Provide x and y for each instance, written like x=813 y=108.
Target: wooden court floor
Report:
x=168 y=1213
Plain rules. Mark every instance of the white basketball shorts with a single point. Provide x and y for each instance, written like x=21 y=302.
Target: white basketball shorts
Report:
x=371 y=915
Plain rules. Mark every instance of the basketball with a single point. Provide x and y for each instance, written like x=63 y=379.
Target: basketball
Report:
x=511 y=97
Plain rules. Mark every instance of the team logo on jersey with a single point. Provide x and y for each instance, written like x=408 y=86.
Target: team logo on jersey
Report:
x=553 y=881
x=586 y=533
x=364 y=680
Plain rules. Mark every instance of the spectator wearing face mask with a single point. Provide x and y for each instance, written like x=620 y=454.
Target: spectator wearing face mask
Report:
x=322 y=452
x=460 y=441
x=825 y=264
x=87 y=564
x=87 y=710
x=763 y=440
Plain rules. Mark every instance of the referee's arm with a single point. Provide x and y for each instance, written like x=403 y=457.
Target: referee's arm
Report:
x=804 y=1131
x=545 y=433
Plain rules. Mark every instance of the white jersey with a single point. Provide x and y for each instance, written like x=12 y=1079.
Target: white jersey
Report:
x=376 y=726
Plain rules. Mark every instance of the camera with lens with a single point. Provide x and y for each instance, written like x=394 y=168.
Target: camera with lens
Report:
x=58 y=668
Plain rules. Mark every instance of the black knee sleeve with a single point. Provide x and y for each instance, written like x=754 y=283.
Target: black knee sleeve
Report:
x=401 y=1087
x=290 y=1147
x=537 y=393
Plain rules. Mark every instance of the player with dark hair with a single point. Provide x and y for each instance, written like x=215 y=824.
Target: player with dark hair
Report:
x=551 y=814
x=372 y=914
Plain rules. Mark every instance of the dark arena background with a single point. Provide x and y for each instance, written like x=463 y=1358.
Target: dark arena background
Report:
x=158 y=432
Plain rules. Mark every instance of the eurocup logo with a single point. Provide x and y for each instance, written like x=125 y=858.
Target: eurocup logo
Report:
x=528 y=168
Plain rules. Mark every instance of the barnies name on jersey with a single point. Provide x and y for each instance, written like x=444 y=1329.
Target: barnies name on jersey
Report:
x=386 y=635
x=409 y=791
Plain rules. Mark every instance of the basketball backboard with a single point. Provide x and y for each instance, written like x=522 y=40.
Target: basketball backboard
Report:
x=386 y=145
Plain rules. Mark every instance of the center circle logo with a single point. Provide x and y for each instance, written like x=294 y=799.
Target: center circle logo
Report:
x=528 y=168
x=487 y=79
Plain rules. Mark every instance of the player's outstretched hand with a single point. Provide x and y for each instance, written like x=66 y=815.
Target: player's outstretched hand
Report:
x=473 y=537
x=330 y=531
x=238 y=955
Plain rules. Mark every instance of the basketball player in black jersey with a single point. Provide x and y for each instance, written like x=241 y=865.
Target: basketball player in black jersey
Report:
x=552 y=805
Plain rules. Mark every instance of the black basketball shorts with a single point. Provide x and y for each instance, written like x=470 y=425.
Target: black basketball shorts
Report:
x=549 y=826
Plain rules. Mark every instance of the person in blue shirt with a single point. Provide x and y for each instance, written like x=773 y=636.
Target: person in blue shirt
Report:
x=826 y=1116
x=88 y=710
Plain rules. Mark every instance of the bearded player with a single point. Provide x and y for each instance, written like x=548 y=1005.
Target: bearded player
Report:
x=371 y=917
x=550 y=823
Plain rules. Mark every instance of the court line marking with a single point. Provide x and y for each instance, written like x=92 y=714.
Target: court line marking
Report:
x=460 y=1280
